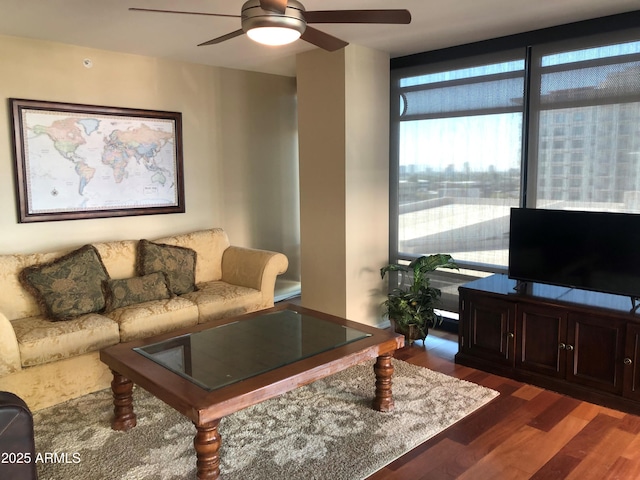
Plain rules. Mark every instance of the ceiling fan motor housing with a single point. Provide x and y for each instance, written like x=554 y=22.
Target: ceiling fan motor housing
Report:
x=253 y=16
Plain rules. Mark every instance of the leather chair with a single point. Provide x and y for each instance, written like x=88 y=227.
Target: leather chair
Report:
x=17 y=446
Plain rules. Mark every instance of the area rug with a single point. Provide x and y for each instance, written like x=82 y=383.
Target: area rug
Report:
x=325 y=430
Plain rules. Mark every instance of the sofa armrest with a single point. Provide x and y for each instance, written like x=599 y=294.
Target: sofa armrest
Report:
x=254 y=268
x=9 y=351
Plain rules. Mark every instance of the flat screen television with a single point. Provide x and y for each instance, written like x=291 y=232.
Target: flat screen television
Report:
x=585 y=250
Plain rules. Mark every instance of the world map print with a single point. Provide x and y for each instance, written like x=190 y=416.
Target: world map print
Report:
x=80 y=162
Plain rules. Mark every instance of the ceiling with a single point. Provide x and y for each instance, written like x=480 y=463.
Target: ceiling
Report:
x=109 y=25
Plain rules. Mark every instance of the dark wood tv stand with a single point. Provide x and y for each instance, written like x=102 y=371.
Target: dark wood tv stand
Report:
x=584 y=344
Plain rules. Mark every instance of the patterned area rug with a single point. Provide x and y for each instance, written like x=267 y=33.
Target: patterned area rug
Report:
x=326 y=430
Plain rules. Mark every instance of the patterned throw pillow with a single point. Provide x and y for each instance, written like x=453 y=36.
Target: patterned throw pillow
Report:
x=128 y=291
x=70 y=285
x=178 y=263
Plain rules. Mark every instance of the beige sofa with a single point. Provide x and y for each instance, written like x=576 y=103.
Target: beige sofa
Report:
x=46 y=362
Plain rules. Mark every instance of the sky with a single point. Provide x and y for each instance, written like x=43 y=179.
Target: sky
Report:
x=481 y=141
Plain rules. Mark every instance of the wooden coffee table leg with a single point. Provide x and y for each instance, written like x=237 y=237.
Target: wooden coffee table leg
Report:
x=207 y=445
x=384 y=398
x=122 y=389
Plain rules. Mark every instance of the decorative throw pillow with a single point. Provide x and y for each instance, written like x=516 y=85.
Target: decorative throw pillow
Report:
x=70 y=285
x=120 y=293
x=178 y=263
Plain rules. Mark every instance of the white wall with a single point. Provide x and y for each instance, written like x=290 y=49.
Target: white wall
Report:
x=229 y=181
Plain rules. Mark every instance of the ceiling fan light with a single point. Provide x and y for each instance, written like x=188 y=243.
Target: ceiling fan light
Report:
x=273 y=28
x=273 y=35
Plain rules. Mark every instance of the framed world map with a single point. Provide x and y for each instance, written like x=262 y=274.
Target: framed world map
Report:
x=83 y=161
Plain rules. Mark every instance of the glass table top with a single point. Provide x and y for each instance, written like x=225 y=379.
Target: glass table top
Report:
x=230 y=353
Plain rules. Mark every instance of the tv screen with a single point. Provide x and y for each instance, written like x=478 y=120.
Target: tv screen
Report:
x=586 y=250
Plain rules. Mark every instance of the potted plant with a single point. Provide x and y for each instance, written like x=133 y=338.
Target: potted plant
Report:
x=411 y=308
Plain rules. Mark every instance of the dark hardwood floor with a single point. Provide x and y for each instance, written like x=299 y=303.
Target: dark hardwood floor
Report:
x=526 y=433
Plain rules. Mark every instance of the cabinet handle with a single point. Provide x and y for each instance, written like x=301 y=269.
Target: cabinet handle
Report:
x=569 y=347
x=627 y=361
x=562 y=346
x=510 y=335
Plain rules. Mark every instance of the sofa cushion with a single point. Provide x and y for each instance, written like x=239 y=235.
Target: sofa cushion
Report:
x=16 y=301
x=209 y=245
x=41 y=341
x=178 y=263
x=68 y=286
x=122 y=292
x=221 y=299
x=152 y=318
x=118 y=257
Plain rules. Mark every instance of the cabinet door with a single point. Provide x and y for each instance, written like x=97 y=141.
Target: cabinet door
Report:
x=540 y=343
x=488 y=329
x=631 y=363
x=595 y=348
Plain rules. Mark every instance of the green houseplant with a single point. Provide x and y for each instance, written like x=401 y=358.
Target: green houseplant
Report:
x=411 y=308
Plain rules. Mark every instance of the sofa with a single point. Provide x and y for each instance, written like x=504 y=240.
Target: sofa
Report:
x=59 y=309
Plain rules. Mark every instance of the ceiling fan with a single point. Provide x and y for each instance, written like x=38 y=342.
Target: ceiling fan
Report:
x=278 y=22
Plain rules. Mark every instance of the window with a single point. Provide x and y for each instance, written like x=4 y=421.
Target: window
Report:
x=599 y=87
x=459 y=156
x=554 y=123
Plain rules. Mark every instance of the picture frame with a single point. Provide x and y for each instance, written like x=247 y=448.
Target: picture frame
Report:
x=75 y=161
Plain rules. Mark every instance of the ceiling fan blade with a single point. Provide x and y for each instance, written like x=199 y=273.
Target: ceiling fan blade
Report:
x=221 y=39
x=358 y=16
x=278 y=6
x=323 y=40
x=181 y=12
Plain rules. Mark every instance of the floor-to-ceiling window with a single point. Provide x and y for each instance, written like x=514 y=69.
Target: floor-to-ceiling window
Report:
x=548 y=120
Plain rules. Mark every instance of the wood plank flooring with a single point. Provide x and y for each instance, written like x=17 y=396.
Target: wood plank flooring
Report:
x=526 y=433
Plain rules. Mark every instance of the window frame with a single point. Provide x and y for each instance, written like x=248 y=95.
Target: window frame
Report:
x=611 y=29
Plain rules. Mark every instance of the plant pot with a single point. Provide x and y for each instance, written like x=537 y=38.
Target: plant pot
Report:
x=411 y=332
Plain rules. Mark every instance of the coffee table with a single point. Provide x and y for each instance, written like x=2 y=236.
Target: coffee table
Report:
x=212 y=370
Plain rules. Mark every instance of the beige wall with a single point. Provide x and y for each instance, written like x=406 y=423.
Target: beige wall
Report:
x=344 y=162
x=367 y=180
x=260 y=167
x=223 y=112
x=321 y=135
